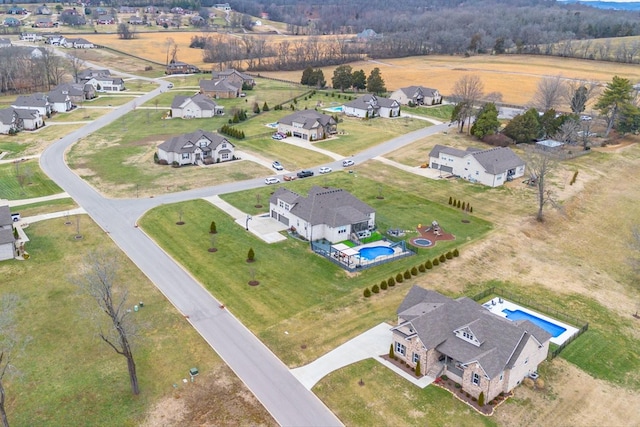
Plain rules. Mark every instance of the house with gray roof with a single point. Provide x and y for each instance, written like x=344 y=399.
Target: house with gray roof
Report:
x=220 y=89
x=492 y=167
x=38 y=102
x=60 y=101
x=325 y=213
x=234 y=77
x=7 y=240
x=467 y=342
x=78 y=92
x=308 y=124
x=27 y=119
x=8 y=121
x=78 y=43
x=417 y=95
x=198 y=106
x=196 y=148
x=370 y=106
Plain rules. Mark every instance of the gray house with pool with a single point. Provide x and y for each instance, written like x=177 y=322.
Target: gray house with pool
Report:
x=325 y=213
x=480 y=350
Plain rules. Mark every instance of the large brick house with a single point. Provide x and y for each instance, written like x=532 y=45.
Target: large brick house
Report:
x=480 y=350
x=308 y=124
x=196 y=147
x=417 y=95
x=370 y=106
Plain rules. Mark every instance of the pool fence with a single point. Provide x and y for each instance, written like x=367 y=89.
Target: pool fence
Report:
x=542 y=308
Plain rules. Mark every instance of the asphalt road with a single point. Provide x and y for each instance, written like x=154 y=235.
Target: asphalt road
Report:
x=286 y=399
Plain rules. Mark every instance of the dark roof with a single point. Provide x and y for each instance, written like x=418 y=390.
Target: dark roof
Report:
x=73 y=89
x=226 y=73
x=415 y=91
x=494 y=160
x=187 y=143
x=5 y=216
x=435 y=318
x=24 y=113
x=331 y=206
x=371 y=101
x=57 y=95
x=218 y=86
x=203 y=101
x=89 y=73
x=30 y=101
x=309 y=119
x=6 y=236
x=7 y=116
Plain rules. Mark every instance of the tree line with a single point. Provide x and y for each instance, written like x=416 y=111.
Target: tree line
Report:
x=25 y=69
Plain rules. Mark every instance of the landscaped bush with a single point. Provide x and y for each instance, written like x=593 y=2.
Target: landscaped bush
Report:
x=459 y=205
x=449 y=255
x=450 y=201
x=456 y=253
x=436 y=262
x=407 y=274
x=251 y=255
x=366 y=293
x=375 y=289
x=428 y=265
x=399 y=278
x=391 y=281
x=383 y=285
x=212 y=228
x=481 y=399
x=414 y=271
x=444 y=377
x=418 y=370
x=464 y=206
x=443 y=258
x=391 y=353
x=458 y=385
x=421 y=268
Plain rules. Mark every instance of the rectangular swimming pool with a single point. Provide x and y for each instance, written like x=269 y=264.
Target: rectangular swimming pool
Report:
x=552 y=328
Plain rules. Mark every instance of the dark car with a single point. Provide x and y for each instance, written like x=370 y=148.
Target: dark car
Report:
x=304 y=173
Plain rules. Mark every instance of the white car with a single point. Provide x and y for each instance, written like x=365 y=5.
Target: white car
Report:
x=325 y=169
x=277 y=166
x=347 y=162
x=585 y=118
x=170 y=85
x=271 y=180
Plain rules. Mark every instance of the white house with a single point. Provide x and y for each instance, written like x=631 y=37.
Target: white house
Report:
x=79 y=43
x=370 y=106
x=8 y=121
x=196 y=147
x=101 y=80
x=491 y=167
x=28 y=119
x=326 y=213
x=308 y=124
x=195 y=107
x=417 y=95
x=7 y=240
x=60 y=101
x=38 y=101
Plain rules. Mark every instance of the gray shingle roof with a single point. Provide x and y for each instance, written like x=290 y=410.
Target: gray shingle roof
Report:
x=218 y=86
x=366 y=101
x=415 y=91
x=7 y=116
x=57 y=95
x=202 y=101
x=187 y=143
x=309 y=119
x=25 y=114
x=226 y=73
x=331 y=206
x=30 y=101
x=6 y=236
x=497 y=160
x=5 y=216
x=435 y=318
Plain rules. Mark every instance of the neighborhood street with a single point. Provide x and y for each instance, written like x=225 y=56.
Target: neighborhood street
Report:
x=282 y=394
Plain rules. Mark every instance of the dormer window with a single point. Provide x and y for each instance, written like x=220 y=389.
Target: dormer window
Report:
x=467 y=335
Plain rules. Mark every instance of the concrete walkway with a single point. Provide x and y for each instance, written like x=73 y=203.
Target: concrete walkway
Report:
x=262 y=226
x=243 y=155
x=370 y=344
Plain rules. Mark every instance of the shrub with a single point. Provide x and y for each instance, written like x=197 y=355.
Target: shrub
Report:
x=414 y=271
x=383 y=285
x=458 y=385
x=444 y=377
x=449 y=255
x=456 y=253
x=454 y=203
x=366 y=293
x=418 y=370
x=450 y=201
x=466 y=393
x=399 y=278
x=481 y=399
x=471 y=209
x=436 y=262
x=474 y=398
x=375 y=289
x=391 y=353
x=391 y=281
x=421 y=268
x=443 y=258
x=265 y=107
x=212 y=228
x=428 y=265
x=407 y=274
x=251 y=255
x=459 y=204
x=464 y=206
x=155 y=158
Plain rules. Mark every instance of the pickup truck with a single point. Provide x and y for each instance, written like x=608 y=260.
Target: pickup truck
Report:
x=304 y=173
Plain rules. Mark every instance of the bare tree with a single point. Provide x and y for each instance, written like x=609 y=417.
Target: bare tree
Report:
x=540 y=166
x=98 y=278
x=549 y=94
x=75 y=65
x=467 y=92
x=169 y=42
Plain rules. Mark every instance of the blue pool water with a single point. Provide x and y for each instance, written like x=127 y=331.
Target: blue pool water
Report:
x=374 y=252
x=422 y=242
x=552 y=328
x=337 y=109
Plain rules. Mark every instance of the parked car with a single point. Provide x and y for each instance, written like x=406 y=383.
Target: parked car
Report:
x=277 y=166
x=289 y=177
x=271 y=180
x=15 y=217
x=282 y=134
x=276 y=136
x=325 y=169
x=347 y=162
x=585 y=118
x=170 y=85
x=304 y=173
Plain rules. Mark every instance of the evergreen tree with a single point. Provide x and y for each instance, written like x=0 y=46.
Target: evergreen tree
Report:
x=486 y=122
x=265 y=107
x=251 y=255
x=342 y=77
x=306 y=76
x=524 y=128
x=579 y=100
x=375 y=83
x=618 y=93
x=359 y=80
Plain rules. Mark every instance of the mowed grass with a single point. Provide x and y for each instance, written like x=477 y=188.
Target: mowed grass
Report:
x=25 y=180
x=32 y=143
x=68 y=375
x=377 y=402
x=299 y=292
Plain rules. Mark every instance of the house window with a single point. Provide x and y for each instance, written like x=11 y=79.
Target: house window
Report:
x=225 y=156
x=281 y=204
x=185 y=156
x=416 y=357
x=476 y=379
x=224 y=145
x=400 y=349
x=477 y=172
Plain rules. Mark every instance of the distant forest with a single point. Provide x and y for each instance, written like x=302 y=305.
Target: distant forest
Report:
x=419 y=27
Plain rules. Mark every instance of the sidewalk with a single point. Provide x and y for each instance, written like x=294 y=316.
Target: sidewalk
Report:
x=370 y=344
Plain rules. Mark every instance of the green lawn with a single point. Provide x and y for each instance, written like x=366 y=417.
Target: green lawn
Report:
x=109 y=100
x=388 y=399
x=25 y=180
x=440 y=112
x=68 y=376
x=50 y=206
x=299 y=291
x=80 y=114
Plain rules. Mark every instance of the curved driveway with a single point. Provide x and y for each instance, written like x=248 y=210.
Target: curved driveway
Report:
x=288 y=401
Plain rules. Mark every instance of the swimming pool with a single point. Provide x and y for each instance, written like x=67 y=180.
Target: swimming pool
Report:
x=374 y=252
x=272 y=125
x=550 y=327
x=337 y=109
x=421 y=241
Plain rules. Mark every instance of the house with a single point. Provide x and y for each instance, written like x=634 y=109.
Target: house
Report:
x=5 y=42
x=417 y=95
x=308 y=124
x=8 y=121
x=60 y=101
x=234 y=77
x=43 y=10
x=90 y=73
x=195 y=107
x=7 y=240
x=106 y=20
x=370 y=106
x=38 y=101
x=481 y=351
x=11 y=22
x=136 y=20
x=197 y=21
x=196 y=147
x=79 y=43
x=219 y=89
x=30 y=37
x=492 y=167
x=27 y=119
x=367 y=34
x=101 y=80
x=127 y=9
x=44 y=22
x=55 y=40
x=178 y=67
x=222 y=6
x=326 y=213
x=78 y=92
x=16 y=10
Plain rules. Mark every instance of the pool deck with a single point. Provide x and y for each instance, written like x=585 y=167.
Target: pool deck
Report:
x=496 y=306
